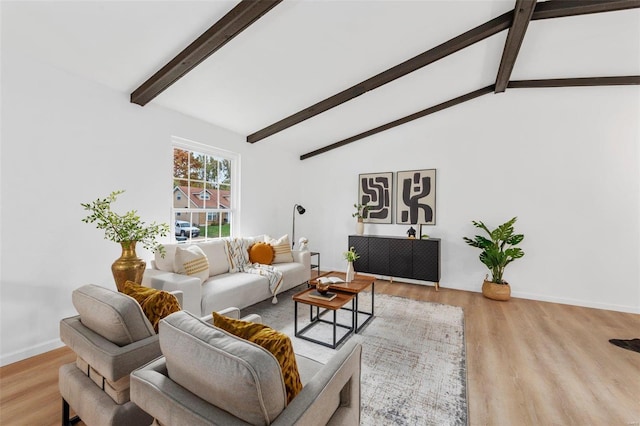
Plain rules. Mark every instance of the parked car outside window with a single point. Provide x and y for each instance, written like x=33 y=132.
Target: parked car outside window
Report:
x=184 y=228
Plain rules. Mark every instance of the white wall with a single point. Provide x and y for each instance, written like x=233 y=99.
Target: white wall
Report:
x=67 y=141
x=565 y=161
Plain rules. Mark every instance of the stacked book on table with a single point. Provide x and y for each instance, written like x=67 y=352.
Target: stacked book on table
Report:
x=328 y=296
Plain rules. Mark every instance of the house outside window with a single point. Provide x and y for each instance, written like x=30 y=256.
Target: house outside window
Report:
x=205 y=191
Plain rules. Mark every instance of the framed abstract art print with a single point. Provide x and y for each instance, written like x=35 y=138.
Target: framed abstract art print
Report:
x=376 y=191
x=416 y=197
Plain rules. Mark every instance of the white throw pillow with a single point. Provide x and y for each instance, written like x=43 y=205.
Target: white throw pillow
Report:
x=282 y=247
x=191 y=260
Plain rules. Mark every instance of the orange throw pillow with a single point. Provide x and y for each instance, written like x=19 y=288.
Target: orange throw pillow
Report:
x=263 y=253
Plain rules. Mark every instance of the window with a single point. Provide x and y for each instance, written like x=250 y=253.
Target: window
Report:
x=205 y=191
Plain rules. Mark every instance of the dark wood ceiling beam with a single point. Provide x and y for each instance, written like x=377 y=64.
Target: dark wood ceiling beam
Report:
x=563 y=8
x=628 y=80
x=400 y=121
x=521 y=17
x=555 y=82
x=229 y=26
x=447 y=48
x=544 y=10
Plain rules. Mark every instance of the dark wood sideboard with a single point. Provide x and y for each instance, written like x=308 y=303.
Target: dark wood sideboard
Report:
x=399 y=257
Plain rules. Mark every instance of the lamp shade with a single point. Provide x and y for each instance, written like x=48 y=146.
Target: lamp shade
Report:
x=300 y=210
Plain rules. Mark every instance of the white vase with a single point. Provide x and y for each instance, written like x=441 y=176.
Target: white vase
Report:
x=359 y=228
x=350 y=272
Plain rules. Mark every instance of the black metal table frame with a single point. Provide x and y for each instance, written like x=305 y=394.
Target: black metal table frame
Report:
x=315 y=320
x=370 y=315
x=357 y=311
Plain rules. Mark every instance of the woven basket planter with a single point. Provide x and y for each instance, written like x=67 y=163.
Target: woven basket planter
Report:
x=496 y=291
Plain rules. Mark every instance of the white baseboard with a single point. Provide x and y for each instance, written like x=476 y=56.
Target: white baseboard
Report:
x=533 y=296
x=29 y=352
x=576 y=302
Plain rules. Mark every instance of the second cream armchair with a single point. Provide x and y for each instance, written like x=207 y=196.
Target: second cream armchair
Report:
x=210 y=377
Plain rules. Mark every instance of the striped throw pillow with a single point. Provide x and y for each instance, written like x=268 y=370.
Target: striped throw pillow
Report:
x=282 y=247
x=191 y=260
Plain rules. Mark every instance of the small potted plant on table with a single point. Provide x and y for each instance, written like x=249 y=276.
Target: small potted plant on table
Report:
x=350 y=256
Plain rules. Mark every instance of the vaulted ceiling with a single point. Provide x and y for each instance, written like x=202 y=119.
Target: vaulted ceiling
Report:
x=300 y=53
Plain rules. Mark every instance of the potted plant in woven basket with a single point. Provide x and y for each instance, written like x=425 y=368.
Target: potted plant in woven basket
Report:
x=497 y=252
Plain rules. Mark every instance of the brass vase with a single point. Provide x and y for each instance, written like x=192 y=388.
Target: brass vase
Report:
x=494 y=291
x=128 y=267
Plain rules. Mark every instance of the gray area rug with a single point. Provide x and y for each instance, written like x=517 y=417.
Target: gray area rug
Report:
x=413 y=357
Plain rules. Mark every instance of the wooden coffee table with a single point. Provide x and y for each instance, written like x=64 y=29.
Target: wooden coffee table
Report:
x=334 y=305
x=358 y=284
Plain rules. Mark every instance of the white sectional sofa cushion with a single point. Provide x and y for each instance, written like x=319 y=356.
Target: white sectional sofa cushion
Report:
x=222 y=288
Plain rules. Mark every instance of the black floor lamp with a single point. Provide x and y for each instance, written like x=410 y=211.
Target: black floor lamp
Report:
x=301 y=210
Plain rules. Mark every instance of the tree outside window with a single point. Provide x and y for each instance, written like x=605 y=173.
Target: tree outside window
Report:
x=202 y=194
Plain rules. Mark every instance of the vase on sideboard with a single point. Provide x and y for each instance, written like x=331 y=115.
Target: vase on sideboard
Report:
x=360 y=226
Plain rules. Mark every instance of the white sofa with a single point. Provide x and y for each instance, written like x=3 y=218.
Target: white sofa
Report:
x=223 y=288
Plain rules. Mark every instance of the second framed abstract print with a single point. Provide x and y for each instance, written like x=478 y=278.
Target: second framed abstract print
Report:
x=416 y=197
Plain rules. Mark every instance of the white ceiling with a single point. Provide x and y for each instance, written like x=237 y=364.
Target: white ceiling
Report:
x=304 y=51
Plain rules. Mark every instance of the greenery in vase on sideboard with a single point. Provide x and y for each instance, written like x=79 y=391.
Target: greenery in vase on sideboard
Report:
x=361 y=211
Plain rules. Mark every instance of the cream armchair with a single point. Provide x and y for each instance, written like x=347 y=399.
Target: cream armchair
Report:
x=111 y=337
x=210 y=377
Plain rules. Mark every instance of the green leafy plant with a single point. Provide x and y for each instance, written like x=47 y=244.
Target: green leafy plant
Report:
x=126 y=228
x=498 y=250
x=351 y=255
x=361 y=209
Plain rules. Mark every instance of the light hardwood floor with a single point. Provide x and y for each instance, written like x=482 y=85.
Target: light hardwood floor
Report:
x=528 y=363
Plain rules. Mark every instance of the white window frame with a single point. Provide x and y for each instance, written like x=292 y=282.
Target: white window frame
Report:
x=233 y=210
